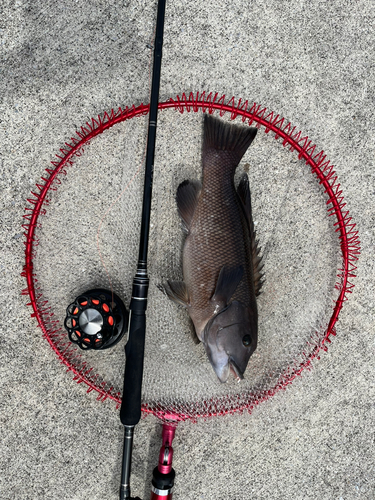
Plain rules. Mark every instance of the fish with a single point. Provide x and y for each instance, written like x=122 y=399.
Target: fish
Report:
x=221 y=262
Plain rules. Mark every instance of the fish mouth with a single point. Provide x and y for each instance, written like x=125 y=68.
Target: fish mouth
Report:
x=224 y=372
x=235 y=370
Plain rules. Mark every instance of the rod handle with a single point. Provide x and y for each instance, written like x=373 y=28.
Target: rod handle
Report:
x=130 y=412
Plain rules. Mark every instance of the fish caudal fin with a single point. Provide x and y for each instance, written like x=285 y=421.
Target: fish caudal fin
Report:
x=243 y=192
x=225 y=136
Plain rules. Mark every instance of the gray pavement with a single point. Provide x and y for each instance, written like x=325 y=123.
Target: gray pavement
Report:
x=312 y=62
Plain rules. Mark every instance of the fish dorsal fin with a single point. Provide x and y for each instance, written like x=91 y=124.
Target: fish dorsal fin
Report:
x=227 y=283
x=243 y=192
x=187 y=198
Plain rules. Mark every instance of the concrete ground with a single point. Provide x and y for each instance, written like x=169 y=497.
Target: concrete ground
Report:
x=64 y=62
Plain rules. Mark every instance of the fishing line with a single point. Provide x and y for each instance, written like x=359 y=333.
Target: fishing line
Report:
x=108 y=211
x=149 y=46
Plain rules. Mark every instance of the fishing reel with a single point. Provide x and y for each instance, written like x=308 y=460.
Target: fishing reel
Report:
x=97 y=319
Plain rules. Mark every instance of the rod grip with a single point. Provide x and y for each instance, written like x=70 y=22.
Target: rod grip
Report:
x=130 y=412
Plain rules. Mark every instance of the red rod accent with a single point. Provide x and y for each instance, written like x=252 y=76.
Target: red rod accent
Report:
x=166 y=451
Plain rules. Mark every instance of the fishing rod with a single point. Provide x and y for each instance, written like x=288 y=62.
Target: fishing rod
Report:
x=130 y=412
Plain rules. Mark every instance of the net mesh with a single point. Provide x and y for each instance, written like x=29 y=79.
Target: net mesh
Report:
x=300 y=245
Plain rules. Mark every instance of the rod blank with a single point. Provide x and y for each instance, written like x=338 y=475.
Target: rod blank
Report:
x=130 y=412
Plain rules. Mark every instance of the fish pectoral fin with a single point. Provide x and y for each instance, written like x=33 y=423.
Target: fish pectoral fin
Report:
x=178 y=292
x=193 y=333
x=243 y=192
x=187 y=196
x=227 y=283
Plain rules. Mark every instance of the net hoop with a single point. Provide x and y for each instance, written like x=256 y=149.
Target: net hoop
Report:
x=254 y=113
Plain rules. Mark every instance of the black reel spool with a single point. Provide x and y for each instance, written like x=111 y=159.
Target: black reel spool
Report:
x=97 y=319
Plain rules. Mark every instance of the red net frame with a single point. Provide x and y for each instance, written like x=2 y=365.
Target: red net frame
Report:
x=250 y=113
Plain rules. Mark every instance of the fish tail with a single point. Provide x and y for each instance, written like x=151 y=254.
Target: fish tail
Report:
x=223 y=136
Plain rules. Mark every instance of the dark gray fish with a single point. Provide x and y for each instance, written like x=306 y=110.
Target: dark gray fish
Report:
x=221 y=263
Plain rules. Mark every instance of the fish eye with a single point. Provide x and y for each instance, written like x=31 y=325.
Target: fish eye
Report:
x=246 y=340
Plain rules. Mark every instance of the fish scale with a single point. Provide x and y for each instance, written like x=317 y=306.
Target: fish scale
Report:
x=218 y=232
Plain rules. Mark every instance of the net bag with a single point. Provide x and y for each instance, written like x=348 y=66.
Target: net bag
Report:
x=91 y=199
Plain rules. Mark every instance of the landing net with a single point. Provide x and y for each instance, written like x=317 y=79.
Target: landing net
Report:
x=309 y=242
